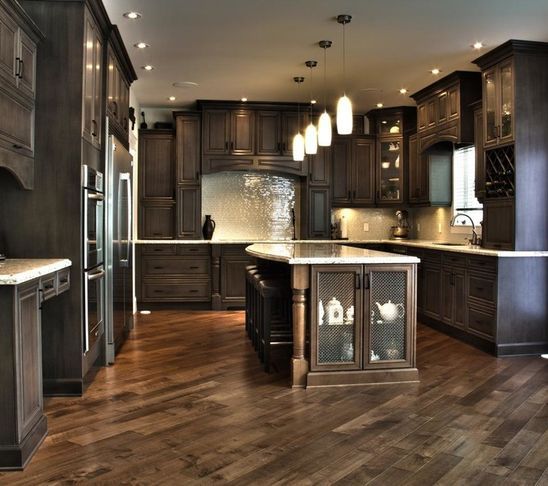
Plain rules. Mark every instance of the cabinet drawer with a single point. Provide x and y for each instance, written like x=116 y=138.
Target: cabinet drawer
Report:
x=481 y=322
x=234 y=250
x=193 y=250
x=161 y=267
x=177 y=291
x=432 y=257
x=482 y=288
x=95 y=334
x=451 y=259
x=63 y=280
x=48 y=287
x=482 y=264
x=158 y=249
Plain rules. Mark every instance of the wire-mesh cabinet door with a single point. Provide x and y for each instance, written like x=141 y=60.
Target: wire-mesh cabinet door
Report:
x=389 y=316
x=336 y=325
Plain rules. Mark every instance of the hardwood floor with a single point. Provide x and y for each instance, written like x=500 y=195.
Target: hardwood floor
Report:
x=188 y=403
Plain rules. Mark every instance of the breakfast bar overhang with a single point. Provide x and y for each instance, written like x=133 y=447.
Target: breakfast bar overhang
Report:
x=355 y=307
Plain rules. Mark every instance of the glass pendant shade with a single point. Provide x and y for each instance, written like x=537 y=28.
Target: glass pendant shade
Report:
x=311 y=139
x=298 y=147
x=344 y=116
x=324 y=130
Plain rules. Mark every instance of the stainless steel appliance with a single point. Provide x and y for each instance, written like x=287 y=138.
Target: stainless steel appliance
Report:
x=93 y=256
x=401 y=231
x=119 y=247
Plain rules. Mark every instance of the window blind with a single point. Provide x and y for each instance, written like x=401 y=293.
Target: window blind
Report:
x=464 y=197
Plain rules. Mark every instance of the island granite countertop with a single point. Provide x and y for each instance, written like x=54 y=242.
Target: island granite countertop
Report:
x=15 y=271
x=424 y=244
x=323 y=253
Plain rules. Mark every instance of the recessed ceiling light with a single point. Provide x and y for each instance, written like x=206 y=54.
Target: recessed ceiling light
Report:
x=148 y=67
x=435 y=71
x=478 y=45
x=141 y=45
x=384 y=122
x=132 y=15
x=379 y=105
x=313 y=102
x=244 y=99
x=403 y=91
x=185 y=84
x=171 y=98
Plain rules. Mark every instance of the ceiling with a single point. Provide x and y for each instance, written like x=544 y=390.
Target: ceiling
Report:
x=253 y=48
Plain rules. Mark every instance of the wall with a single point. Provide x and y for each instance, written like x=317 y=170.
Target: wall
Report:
x=251 y=205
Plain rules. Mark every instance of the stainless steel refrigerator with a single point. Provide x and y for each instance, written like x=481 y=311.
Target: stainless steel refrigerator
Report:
x=118 y=246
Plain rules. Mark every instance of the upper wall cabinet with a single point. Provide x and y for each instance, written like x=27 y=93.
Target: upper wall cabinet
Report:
x=120 y=75
x=443 y=109
x=92 y=119
x=19 y=37
x=249 y=136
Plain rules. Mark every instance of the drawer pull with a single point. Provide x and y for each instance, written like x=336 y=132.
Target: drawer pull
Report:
x=64 y=280
x=158 y=249
x=156 y=291
x=193 y=249
x=193 y=291
x=158 y=268
x=194 y=268
x=479 y=288
x=48 y=286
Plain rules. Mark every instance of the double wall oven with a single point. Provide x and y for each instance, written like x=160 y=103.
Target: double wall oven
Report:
x=93 y=255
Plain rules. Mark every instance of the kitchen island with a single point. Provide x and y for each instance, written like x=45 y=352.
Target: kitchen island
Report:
x=358 y=308
x=25 y=285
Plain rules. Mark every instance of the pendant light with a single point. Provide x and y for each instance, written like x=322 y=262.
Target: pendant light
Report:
x=298 y=139
x=324 y=123
x=311 y=134
x=344 y=105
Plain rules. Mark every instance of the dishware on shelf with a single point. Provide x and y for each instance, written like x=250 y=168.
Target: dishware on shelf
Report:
x=374 y=357
x=349 y=315
x=321 y=313
x=395 y=129
x=390 y=311
x=397 y=162
x=385 y=165
x=392 y=353
x=335 y=313
x=348 y=351
x=393 y=147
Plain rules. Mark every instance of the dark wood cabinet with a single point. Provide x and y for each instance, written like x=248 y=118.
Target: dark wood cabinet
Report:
x=316 y=197
x=178 y=274
x=231 y=263
x=228 y=132
x=353 y=169
x=188 y=162
x=431 y=274
x=292 y=121
x=319 y=167
x=498 y=224
x=372 y=340
x=269 y=132
x=92 y=119
x=156 y=221
x=156 y=165
x=18 y=40
x=120 y=75
x=418 y=174
x=453 y=296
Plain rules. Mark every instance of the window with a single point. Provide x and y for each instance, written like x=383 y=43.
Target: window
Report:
x=464 y=197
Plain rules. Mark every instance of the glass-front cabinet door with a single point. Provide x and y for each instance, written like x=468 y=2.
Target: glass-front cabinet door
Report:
x=388 y=341
x=389 y=125
x=490 y=110
x=390 y=171
x=506 y=130
x=336 y=317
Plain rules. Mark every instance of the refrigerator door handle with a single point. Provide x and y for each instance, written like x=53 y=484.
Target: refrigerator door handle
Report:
x=126 y=177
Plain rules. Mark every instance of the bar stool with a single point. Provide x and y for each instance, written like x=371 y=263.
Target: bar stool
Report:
x=274 y=323
x=249 y=299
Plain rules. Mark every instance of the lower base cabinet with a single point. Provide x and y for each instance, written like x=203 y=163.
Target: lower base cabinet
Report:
x=363 y=318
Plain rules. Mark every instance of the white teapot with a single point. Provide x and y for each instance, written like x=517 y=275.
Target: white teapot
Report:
x=334 y=311
x=390 y=311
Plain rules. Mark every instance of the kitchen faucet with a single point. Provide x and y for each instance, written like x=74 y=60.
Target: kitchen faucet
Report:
x=475 y=239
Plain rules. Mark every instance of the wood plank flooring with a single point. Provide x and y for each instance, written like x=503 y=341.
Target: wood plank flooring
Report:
x=188 y=403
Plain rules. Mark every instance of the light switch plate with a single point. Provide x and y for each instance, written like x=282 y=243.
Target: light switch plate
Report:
x=439 y=228
x=365 y=226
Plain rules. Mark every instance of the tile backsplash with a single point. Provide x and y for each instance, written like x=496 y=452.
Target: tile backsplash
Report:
x=379 y=220
x=251 y=205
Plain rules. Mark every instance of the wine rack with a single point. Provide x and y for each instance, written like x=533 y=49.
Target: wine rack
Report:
x=499 y=172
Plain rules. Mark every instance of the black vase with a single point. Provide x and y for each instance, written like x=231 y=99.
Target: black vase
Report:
x=208 y=228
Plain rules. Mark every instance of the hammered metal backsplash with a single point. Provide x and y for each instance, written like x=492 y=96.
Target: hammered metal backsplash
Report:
x=250 y=205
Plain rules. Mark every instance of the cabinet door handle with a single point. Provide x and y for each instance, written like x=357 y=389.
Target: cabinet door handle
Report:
x=354 y=195
x=379 y=195
x=197 y=175
x=94 y=128
x=21 y=67
x=358 y=281
x=17 y=66
x=366 y=283
x=226 y=145
x=232 y=146
x=279 y=147
x=17 y=146
x=349 y=195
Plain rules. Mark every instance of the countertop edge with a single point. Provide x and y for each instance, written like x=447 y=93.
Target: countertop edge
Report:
x=19 y=278
x=427 y=245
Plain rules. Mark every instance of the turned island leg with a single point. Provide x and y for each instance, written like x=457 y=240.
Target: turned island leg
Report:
x=300 y=282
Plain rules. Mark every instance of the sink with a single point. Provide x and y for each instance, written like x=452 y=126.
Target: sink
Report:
x=450 y=244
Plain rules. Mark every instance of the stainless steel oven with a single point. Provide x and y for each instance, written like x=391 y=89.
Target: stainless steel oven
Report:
x=94 y=211
x=94 y=306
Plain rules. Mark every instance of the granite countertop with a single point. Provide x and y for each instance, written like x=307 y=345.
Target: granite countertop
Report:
x=426 y=244
x=15 y=271
x=323 y=253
